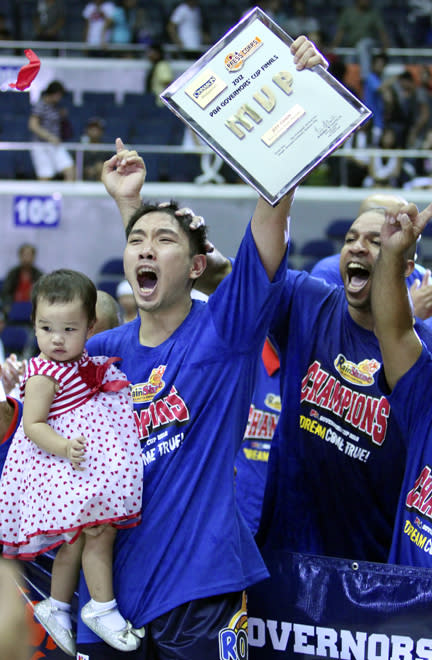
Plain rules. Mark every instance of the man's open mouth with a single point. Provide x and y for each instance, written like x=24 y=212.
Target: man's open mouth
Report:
x=358 y=276
x=147 y=279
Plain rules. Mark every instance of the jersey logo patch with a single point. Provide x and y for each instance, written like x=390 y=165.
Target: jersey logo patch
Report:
x=273 y=401
x=359 y=374
x=143 y=392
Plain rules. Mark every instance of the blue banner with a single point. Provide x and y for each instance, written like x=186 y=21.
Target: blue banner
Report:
x=325 y=607
x=312 y=607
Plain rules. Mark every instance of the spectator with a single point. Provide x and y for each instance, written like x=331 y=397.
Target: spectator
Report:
x=406 y=108
x=93 y=160
x=385 y=171
x=361 y=26
x=144 y=29
x=160 y=74
x=126 y=300
x=423 y=177
x=49 y=20
x=357 y=165
x=18 y=282
x=98 y=15
x=51 y=158
x=372 y=96
x=120 y=26
x=185 y=28
x=300 y=22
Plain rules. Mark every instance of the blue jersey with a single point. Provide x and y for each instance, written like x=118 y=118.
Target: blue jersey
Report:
x=191 y=397
x=337 y=457
x=5 y=442
x=252 y=459
x=412 y=538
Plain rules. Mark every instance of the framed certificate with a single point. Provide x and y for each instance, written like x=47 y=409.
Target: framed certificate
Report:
x=271 y=123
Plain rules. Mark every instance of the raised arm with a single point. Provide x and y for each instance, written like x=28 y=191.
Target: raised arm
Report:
x=270 y=225
x=123 y=176
x=391 y=304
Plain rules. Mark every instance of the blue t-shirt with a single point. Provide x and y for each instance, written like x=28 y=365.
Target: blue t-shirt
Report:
x=412 y=537
x=372 y=98
x=191 y=397
x=252 y=459
x=337 y=457
x=5 y=442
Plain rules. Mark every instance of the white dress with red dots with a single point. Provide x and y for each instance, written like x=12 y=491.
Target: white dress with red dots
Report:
x=44 y=500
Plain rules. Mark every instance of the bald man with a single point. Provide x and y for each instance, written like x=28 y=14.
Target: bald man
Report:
x=418 y=281
x=337 y=457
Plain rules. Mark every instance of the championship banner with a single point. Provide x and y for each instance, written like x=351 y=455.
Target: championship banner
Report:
x=312 y=607
x=326 y=607
x=271 y=123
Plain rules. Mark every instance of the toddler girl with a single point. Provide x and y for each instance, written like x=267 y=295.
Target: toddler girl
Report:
x=74 y=470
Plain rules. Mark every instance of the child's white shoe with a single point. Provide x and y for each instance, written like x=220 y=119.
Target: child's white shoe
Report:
x=63 y=637
x=126 y=639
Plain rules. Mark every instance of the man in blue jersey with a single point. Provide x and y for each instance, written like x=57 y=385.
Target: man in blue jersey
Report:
x=337 y=457
x=182 y=572
x=252 y=459
x=337 y=451
x=419 y=280
x=407 y=371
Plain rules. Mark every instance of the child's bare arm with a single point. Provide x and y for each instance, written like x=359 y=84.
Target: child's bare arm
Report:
x=39 y=394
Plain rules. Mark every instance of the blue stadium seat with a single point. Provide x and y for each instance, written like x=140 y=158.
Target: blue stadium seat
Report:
x=317 y=248
x=16 y=339
x=101 y=104
x=337 y=228
x=112 y=267
x=109 y=286
x=314 y=250
x=20 y=312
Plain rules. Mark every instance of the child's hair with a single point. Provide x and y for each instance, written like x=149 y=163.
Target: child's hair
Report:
x=197 y=237
x=63 y=286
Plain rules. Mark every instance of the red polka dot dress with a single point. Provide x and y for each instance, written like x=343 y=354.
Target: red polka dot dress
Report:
x=44 y=501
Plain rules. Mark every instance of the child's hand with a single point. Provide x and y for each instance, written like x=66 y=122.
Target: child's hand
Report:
x=76 y=451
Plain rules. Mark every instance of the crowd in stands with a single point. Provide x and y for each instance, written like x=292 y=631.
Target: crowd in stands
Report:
x=398 y=92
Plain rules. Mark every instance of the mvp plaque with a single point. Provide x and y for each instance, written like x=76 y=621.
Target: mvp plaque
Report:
x=271 y=123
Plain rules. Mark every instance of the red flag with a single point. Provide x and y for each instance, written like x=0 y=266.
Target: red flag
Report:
x=28 y=72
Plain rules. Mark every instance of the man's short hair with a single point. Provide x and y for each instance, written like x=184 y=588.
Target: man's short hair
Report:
x=197 y=237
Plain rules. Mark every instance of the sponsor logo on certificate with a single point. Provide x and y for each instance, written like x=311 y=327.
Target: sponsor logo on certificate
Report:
x=205 y=88
x=235 y=59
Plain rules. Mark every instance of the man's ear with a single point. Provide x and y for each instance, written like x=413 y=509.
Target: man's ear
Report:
x=199 y=263
x=409 y=267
